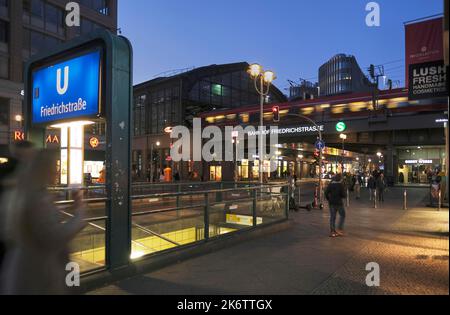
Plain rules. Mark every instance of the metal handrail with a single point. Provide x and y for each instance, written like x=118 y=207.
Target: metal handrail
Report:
x=91 y=200
x=98 y=227
x=88 y=221
x=165 y=195
x=138 y=214
x=144 y=229
x=137 y=184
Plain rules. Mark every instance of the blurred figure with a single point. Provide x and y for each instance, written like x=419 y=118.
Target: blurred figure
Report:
x=177 y=176
x=357 y=187
x=20 y=153
x=335 y=193
x=168 y=175
x=37 y=254
x=381 y=187
x=102 y=178
x=372 y=185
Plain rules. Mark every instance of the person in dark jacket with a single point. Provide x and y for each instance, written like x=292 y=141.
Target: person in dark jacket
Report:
x=372 y=185
x=381 y=187
x=335 y=193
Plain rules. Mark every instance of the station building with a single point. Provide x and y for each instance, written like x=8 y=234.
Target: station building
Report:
x=403 y=138
x=177 y=99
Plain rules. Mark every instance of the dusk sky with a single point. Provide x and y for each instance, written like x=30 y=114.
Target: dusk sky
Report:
x=291 y=37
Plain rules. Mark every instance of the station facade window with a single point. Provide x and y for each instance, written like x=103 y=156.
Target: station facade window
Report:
x=45 y=16
x=4 y=11
x=4 y=49
x=100 y=6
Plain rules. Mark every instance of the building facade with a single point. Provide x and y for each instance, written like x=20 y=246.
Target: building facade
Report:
x=409 y=135
x=176 y=100
x=342 y=74
x=31 y=26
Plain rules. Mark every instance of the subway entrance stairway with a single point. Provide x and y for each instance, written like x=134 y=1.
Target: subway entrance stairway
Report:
x=168 y=217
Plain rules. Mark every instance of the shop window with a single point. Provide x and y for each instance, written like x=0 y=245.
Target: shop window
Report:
x=243 y=170
x=215 y=173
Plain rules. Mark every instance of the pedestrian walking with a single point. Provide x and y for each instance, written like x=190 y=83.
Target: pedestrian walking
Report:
x=358 y=189
x=335 y=194
x=381 y=187
x=21 y=154
x=36 y=260
x=372 y=185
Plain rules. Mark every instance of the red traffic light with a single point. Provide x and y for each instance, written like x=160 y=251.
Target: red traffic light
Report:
x=276 y=113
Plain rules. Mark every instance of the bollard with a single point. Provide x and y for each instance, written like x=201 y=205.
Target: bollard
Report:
x=316 y=201
x=405 y=197
x=348 y=198
x=375 y=196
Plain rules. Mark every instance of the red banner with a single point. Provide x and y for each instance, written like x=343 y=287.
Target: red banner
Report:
x=424 y=43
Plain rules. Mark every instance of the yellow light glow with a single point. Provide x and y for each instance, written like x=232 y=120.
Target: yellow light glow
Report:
x=358 y=106
x=210 y=120
x=307 y=111
x=137 y=254
x=255 y=70
x=64 y=167
x=245 y=118
x=72 y=124
x=338 y=109
x=269 y=76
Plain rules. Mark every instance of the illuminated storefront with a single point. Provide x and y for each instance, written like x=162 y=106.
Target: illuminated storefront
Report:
x=417 y=164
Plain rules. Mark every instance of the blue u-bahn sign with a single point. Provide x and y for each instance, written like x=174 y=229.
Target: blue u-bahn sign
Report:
x=67 y=90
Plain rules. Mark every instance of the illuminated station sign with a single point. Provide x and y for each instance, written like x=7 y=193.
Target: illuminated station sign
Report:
x=67 y=90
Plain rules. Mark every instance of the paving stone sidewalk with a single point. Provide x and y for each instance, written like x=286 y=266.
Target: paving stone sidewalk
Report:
x=411 y=248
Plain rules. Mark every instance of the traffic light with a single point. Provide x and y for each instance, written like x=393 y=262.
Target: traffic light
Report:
x=372 y=71
x=317 y=157
x=276 y=113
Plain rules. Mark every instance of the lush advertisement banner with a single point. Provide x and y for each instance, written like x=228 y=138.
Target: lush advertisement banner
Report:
x=427 y=80
x=424 y=43
x=67 y=90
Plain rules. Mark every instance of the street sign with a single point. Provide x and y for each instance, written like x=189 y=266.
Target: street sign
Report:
x=320 y=145
x=68 y=89
x=341 y=126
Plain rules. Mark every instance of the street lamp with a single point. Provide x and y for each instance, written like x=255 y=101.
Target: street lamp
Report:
x=265 y=79
x=151 y=159
x=343 y=137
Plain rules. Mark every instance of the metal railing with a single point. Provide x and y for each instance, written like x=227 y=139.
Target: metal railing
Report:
x=168 y=221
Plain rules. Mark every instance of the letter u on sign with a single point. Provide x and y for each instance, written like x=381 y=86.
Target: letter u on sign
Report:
x=63 y=90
